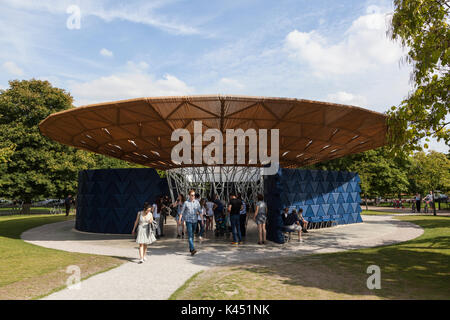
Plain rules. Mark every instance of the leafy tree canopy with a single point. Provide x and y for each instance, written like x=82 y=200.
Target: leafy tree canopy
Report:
x=32 y=166
x=380 y=174
x=422 y=26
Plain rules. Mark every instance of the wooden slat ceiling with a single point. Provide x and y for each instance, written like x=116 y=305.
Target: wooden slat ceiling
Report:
x=139 y=130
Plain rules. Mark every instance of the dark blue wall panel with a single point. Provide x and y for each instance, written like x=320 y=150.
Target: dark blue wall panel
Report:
x=318 y=193
x=108 y=200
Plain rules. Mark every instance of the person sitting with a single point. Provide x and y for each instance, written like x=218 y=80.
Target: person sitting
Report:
x=291 y=222
x=302 y=220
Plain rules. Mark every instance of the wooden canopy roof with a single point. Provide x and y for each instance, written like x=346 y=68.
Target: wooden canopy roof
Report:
x=139 y=130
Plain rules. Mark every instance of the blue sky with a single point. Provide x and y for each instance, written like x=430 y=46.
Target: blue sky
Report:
x=325 y=50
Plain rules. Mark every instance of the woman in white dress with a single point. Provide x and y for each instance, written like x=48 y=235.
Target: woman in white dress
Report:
x=144 y=233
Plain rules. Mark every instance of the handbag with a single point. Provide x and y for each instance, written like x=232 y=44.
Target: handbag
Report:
x=151 y=232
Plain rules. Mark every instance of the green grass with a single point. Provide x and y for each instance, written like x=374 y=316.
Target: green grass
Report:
x=416 y=269
x=43 y=209
x=175 y=295
x=380 y=213
x=29 y=270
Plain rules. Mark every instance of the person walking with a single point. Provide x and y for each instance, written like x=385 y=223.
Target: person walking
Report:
x=145 y=235
x=157 y=206
x=163 y=215
x=67 y=202
x=209 y=214
x=178 y=218
x=260 y=218
x=219 y=216
x=234 y=209
x=418 y=198
x=201 y=220
x=243 y=216
x=190 y=210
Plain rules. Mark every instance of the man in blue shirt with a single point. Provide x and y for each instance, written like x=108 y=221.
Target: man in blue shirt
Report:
x=189 y=212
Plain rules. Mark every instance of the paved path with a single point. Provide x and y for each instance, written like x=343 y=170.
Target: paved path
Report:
x=169 y=264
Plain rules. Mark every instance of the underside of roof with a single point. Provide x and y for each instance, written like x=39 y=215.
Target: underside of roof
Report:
x=140 y=130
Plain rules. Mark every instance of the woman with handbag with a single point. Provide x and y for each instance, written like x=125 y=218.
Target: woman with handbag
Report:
x=145 y=235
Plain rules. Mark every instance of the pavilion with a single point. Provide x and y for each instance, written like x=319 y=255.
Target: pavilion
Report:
x=140 y=131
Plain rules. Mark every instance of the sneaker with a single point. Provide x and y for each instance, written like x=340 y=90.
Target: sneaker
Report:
x=300 y=240
x=235 y=242
x=178 y=236
x=193 y=252
x=305 y=231
x=259 y=242
x=145 y=258
x=200 y=238
x=141 y=261
x=241 y=242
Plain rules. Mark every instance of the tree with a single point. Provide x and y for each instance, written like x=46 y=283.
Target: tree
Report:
x=430 y=172
x=38 y=167
x=380 y=173
x=422 y=27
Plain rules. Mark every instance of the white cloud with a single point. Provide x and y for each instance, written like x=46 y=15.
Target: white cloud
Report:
x=347 y=98
x=364 y=47
x=12 y=68
x=137 y=67
x=230 y=84
x=106 y=53
x=131 y=83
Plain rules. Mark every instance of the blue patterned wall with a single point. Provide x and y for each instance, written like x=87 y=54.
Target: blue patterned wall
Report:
x=108 y=200
x=319 y=193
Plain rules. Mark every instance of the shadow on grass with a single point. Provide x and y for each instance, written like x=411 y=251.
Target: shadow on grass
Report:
x=13 y=226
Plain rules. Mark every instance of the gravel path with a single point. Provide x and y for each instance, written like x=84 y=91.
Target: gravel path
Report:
x=169 y=263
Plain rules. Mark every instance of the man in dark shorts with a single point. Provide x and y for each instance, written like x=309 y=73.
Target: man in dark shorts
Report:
x=234 y=208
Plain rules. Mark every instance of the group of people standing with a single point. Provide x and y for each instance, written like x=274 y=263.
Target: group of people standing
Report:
x=428 y=200
x=195 y=215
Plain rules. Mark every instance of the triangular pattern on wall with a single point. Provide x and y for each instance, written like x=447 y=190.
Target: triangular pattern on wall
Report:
x=109 y=199
x=319 y=193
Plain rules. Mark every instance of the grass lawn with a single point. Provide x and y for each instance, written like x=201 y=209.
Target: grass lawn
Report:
x=416 y=269
x=380 y=213
x=43 y=209
x=28 y=271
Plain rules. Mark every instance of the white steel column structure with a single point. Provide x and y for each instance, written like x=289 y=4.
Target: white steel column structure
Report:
x=220 y=180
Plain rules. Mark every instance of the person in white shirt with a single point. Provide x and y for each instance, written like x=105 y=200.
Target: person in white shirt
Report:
x=157 y=215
